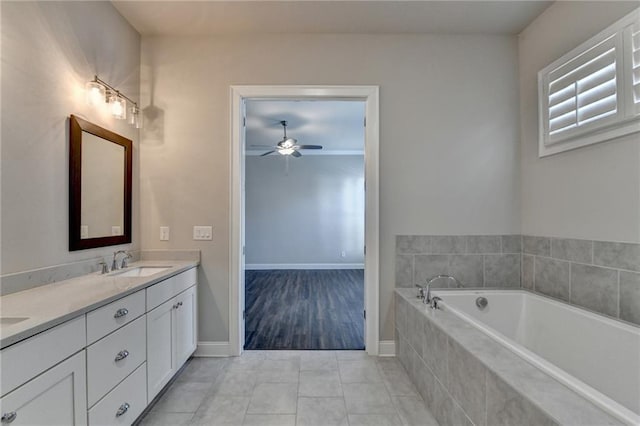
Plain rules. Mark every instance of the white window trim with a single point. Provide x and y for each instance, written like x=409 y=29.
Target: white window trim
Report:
x=625 y=121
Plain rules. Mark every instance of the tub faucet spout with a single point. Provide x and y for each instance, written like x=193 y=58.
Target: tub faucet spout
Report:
x=427 y=286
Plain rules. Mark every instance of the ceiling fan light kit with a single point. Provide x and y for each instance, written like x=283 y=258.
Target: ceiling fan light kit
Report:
x=289 y=146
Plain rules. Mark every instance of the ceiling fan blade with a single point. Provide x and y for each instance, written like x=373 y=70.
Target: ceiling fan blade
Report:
x=267 y=153
x=309 y=146
x=296 y=154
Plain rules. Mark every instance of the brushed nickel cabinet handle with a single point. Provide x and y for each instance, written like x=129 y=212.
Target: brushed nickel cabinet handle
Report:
x=122 y=355
x=121 y=312
x=123 y=409
x=8 y=417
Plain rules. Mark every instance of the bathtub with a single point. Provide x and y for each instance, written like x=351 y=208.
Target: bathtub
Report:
x=595 y=356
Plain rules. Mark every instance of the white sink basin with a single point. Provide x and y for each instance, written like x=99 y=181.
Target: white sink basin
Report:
x=11 y=320
x=142 y=271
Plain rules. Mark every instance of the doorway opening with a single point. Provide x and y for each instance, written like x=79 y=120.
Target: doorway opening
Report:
x=304 y=224
x=241 y=96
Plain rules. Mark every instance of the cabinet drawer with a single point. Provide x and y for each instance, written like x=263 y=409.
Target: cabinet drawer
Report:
x=165 y=290
x=104 y=368
x=108 y=318
x=128 y=399
x=25 y=360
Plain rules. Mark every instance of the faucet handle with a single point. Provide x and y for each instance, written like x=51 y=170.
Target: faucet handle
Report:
x=105 y=268
x=420 y=294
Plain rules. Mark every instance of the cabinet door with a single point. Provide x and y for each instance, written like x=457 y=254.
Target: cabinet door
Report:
x=161 y=356
x=56 y=397
x=186 y=332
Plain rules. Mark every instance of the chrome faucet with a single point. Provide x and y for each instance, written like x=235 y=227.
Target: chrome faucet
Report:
x=105 y=268
x=426 y=299
x=114 y=264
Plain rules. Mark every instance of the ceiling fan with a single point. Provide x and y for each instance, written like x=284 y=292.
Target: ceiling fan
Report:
x=287 y=146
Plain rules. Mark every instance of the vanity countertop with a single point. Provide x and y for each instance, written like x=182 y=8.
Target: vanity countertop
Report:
x=52 y=304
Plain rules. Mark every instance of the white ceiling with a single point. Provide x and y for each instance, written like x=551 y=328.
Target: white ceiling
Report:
x=336 y=125
x=337 y=16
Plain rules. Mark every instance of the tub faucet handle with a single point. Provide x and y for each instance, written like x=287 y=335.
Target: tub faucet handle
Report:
x=420 y=294
x=434 y=302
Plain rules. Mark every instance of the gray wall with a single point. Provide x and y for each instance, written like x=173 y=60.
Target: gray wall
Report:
x=49 y=51
x=591 y=192
x=449 y=147
x=308 y=215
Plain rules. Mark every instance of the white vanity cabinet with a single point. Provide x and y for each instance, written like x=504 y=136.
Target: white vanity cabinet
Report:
x=44 y=378
x=56 y=397
x=105 y=366
x=186 y=320
x=171 y=338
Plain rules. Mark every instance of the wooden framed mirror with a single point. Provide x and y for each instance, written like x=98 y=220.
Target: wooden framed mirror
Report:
x=100 y=167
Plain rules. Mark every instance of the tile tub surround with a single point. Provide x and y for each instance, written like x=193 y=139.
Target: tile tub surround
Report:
x=465 y=377
x=601 y=276
x=475 y=260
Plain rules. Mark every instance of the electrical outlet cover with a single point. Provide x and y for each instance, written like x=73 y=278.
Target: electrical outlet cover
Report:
x=164 y=233
x=202 y=232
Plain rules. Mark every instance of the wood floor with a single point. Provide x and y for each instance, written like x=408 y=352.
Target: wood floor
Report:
x=304 y=309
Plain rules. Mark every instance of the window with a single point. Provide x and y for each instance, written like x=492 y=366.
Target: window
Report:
x=592 y=94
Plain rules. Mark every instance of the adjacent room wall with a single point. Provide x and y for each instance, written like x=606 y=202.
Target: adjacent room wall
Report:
x=305 y=213
x=590 y=193
x=449 y=146
x=49 y=51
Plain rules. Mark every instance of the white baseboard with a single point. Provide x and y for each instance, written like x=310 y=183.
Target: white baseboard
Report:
x=387 y=348
x=271 y=266
x=212 y=349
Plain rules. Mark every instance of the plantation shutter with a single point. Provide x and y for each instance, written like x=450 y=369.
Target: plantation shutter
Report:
x=582 y=94
x=632 y=59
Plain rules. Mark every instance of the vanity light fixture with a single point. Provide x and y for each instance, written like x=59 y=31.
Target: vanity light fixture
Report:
x=99 y=90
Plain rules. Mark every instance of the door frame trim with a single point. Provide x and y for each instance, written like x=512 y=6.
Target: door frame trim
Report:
x=369 y=94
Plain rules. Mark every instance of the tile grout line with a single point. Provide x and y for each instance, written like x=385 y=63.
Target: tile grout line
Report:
x=618 y=313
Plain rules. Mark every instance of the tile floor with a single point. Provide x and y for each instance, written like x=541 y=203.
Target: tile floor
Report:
x=282 y=388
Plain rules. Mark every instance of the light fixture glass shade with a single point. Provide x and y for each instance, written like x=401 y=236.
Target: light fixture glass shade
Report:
x=118 y=107
x=135 y=117
x=138 y=123
x=95 y=93
x=286 y=151
x=288 y=143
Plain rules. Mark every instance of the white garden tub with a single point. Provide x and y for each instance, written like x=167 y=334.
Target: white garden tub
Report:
x=595 y=356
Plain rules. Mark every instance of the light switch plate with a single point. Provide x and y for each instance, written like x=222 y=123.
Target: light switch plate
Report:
x=164 y=233
x=116 y=230
x=202 y=232
x=84 y=231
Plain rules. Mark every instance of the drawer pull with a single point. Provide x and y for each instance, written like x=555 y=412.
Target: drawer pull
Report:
x=179 y=303
x=122 y=355
x=123 y=409
x=121 y=312
x=8 y=417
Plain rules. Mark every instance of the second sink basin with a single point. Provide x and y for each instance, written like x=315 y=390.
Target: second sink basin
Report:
x=142 y=271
